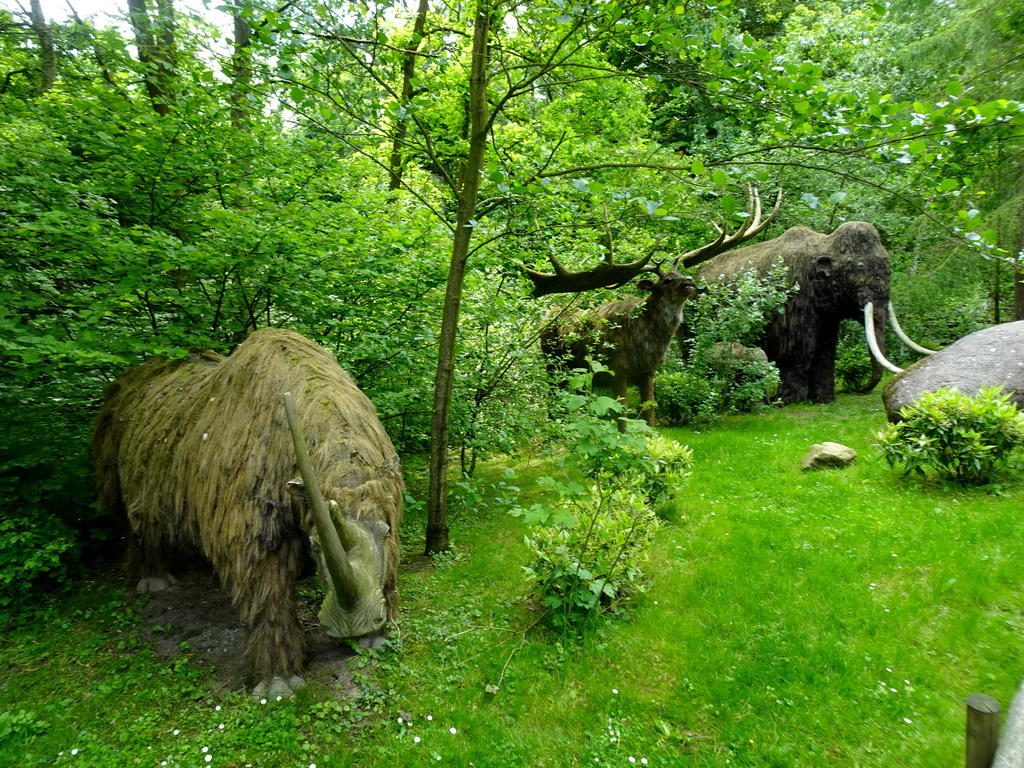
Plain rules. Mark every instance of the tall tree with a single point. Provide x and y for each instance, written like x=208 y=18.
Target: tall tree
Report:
x=47 y=52
x=156 y=45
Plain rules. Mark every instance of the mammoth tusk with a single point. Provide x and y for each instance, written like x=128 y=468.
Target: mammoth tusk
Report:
x=903 y=337
x=338 y=567
x=869 y=331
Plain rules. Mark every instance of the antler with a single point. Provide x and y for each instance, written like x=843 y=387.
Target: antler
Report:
x=604 y=275
x=750 y=227
x=607 y=274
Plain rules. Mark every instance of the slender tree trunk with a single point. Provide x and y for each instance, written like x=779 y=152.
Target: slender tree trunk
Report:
x=1018 y=292
x=241 y=69
x=156 y=53
x=997 y=294
x=467 y=191
x=47 y=53
x=408 y=72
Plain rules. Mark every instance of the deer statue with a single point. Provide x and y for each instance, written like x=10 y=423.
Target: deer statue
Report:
x=631 y=336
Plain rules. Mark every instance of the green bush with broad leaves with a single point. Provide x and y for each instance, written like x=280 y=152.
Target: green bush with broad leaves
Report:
x=684 y=397
x=963 y=439
x=590 y=536
x=853 y=369
x=720 y=371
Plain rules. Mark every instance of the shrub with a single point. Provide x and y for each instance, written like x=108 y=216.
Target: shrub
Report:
x=963 y=439
x=591 y=532
x=685 y=397
x=670 y=462
x=750 y=383
x=33 y=554
x=591 y=562
x=48 y=522
x=853 y=360
x=715 y=377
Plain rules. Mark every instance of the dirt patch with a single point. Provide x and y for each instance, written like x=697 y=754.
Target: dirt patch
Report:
x=195 y=619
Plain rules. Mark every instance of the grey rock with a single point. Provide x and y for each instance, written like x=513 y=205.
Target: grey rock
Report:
x=984 y=359
x=828 y=455
x=1011 y=743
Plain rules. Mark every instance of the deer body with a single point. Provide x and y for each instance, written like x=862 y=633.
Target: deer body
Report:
x=632 y=336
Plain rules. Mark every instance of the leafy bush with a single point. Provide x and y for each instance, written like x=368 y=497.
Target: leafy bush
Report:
x=33 y=552
x=589 y=564
x=713 y=376
x=750 y=382
x=963 y=439
x=46 y=493
x=669 y=461
x=591 y=532
x=685 y=397
x=853 y=360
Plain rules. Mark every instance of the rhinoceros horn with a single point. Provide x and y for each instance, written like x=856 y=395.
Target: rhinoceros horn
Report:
x=342 y=577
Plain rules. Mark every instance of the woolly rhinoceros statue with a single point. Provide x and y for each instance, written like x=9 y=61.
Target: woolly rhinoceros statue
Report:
x=197 y=454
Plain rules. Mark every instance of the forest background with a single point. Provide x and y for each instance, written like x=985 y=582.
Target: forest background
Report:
x=376 y=176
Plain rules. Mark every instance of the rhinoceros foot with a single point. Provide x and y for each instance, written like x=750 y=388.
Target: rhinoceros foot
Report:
x=277 y=687
x=155 y=584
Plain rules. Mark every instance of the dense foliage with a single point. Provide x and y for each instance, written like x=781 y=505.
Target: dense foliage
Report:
x=376 y=177
x=716 y=369
x=961 y=438
x=589 y=538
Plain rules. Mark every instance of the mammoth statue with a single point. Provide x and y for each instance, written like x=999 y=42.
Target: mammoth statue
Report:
x=839 y=276
x=196 y=454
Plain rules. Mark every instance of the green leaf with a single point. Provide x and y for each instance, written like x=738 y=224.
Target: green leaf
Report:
x=954 y=88
x=719 y=177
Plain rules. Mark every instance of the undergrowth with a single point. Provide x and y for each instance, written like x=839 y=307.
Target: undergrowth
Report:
x=793 y=619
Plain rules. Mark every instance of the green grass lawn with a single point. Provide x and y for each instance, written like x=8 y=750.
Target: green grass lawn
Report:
x=839 y=617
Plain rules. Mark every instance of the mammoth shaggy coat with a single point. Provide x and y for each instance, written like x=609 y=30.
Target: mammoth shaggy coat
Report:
x=836 y=275
x=196 y=454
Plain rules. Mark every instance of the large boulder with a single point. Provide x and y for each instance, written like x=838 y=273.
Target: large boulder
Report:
x=983 y=359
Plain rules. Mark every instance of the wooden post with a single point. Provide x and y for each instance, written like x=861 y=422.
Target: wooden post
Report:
x=982 y=730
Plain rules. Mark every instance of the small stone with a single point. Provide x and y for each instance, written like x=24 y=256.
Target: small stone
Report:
x=822 y=455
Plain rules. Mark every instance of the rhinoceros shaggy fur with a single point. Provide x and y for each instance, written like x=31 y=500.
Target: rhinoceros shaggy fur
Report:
x=197 y=455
